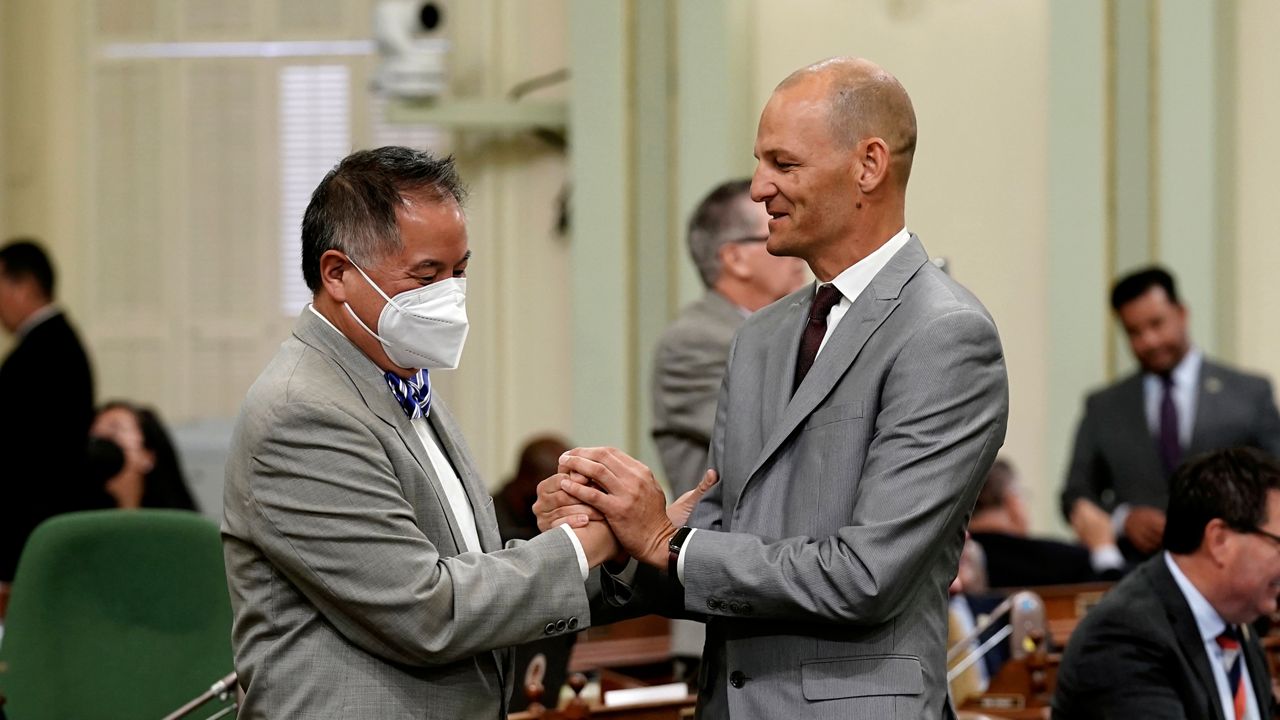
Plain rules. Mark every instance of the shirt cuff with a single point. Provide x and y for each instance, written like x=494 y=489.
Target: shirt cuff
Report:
x=684 y=550
x=1118 y=516
x=1106 y=558
x=577 y=549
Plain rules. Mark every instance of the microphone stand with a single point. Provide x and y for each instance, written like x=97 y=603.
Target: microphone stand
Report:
x=221 y=690
x=1027 y=611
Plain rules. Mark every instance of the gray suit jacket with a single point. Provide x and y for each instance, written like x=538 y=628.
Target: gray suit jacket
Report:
x=351 y=591
x=687 y=370
x=825 y=552
x=1138 y=654
x=1115 y=459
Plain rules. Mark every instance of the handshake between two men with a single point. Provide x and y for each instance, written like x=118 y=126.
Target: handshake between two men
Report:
x=615 y=504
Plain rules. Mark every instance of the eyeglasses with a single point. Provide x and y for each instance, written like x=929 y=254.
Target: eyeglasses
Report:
x=751 y=239
x=1259 y=531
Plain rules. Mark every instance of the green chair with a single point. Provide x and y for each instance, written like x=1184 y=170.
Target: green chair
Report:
x=115 y=614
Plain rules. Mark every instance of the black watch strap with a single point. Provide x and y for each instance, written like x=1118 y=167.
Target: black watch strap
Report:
x=673 y=550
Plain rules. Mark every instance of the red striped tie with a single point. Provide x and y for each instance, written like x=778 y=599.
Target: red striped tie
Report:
x=1232 y=658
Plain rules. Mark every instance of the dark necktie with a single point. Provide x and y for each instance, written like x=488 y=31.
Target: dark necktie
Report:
x=814 y=330
x=1170 y=444
x=414 y=394
x=1232 y=659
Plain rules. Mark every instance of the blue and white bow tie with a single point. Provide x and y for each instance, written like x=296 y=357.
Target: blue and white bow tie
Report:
x=414 y=394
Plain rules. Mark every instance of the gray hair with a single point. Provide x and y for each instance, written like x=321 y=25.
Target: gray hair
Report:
x=716 y=222
x=353 y=209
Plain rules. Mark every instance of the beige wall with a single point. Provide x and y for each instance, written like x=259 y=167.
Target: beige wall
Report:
x=1256 y=296
x=979 y=186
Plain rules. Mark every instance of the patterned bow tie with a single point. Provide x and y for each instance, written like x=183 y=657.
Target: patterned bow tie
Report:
x=414 y=394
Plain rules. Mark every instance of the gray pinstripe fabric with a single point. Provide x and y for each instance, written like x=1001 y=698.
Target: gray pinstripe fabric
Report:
x=350 y=594
x=828 y=545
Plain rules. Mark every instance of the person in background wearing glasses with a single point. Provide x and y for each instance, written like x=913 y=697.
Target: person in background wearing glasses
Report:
x=1173 y=640
x=726 y=237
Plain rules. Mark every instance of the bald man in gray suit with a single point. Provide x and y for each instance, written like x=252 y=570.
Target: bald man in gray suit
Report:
x=854 y=429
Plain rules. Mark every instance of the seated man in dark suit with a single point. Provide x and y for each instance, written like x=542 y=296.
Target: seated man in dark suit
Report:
x=1172 y=640
x=1013 y=559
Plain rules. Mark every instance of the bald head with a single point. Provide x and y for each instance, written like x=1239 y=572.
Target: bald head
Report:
x=864 y=101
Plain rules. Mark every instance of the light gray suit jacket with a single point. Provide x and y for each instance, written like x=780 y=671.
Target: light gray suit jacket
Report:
x=352 y=594
x=688 y=368
x=826 y=550
x=1115 y=459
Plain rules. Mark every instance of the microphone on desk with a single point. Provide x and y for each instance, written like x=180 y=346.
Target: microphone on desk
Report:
x=1026 y=623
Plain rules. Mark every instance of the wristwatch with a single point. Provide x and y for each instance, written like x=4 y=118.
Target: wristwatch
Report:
x=673 y=550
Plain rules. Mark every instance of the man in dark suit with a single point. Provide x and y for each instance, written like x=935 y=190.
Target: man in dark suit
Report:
x=1173 y=640
x=1135 y=432
x=726 y=238
x=1000 y=525
x=46 y=402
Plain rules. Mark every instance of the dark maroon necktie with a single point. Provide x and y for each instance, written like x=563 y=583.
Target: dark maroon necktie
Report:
x=1170 y=444
x=815 y=329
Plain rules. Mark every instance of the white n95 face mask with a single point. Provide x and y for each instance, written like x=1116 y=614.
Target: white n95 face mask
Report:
x=422 y=328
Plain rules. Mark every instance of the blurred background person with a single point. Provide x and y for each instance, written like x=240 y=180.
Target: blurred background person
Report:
x=514 y=502
x=1136 y=431
x=149 y=474
x=1001 y=525
x=46 y=404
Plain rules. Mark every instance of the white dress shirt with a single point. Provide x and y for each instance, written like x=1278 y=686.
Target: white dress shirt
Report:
x=1210 y=624
x=1186 y=378
x=850 y=282
x=454 y=492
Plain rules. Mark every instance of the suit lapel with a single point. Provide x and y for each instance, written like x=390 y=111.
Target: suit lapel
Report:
x=1132 y=420
x=780 y=361
x=1186 y=631
x=1208 y=395
x=372 y=387
x=1259 y=675
x=867 y=313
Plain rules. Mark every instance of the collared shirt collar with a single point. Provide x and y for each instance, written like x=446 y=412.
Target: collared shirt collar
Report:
x=855 y=278
x=35 y=319
x=1186 y=372
x=313 y=309
x=1208 y=621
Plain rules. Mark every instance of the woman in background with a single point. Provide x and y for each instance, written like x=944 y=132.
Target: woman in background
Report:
x=149 y=475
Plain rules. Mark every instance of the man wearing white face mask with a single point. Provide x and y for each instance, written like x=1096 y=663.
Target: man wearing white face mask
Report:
x=362 y=551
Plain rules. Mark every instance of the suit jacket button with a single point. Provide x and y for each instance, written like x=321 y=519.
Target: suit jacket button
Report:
x=573 y=623
x=735 y=606
x=712 y=604
x=561 y=625
x=746 y=608
x=550 y=629
x=737 y=679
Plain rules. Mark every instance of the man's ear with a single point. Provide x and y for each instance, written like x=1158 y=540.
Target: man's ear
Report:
x=1218 y=541
x=333 y=266
x=732 y=261
x=872 y=167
